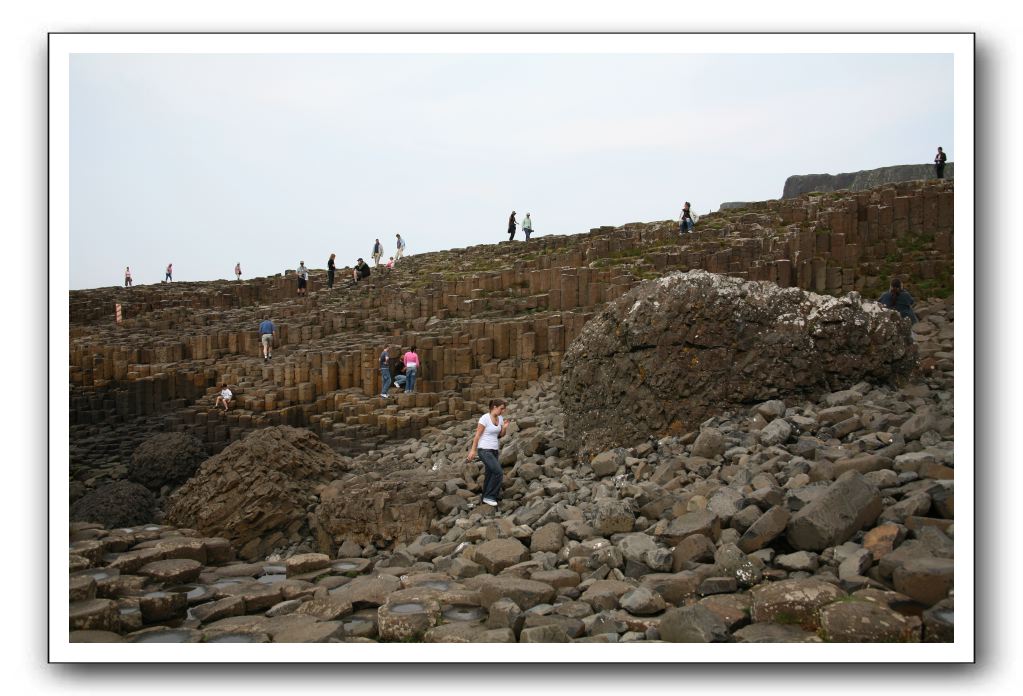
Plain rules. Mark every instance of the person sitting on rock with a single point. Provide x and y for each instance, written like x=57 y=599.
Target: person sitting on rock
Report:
x=398 y=372
x=685 y=220
x=390 y=263
x=900 y=300
x=361 y=270
x=224 y=397
x=491 y=427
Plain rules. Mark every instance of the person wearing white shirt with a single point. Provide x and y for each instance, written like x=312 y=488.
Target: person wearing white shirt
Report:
x=224 y=397
x=491 y=427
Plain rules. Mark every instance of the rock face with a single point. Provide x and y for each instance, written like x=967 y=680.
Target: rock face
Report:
x=365 y=510
x=673 y=351
x=799 y=184
x=255 y=493
x=118 y=504
x=168 y=459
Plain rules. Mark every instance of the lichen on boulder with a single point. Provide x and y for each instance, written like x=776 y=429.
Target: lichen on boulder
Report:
x=674 y=351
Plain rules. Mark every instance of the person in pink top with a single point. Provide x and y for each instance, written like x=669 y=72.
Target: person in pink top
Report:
x=411 y=361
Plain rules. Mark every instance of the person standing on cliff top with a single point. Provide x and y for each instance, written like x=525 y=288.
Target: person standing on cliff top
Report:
x=527 y=226
x=939 y=164
x=169 y=276
x=400 y=247
x=127 y=277
x=489 y=429
x=511 y=226
x=685 y=220
x=331 y=267
x=378 y=251
x=303 y=278
x=238 y=270
x=266 y=337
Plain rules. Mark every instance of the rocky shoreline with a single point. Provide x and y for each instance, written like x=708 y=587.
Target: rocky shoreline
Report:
x=793 y=520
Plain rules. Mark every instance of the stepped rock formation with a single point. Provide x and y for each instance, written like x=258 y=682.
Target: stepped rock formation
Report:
x=673 y=351
x=800 y=184
x=256 y=492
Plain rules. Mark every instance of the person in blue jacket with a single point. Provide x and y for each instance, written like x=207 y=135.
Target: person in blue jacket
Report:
x=900 y=300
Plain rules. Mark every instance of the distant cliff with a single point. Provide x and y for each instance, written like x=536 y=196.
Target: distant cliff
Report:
x=858 y=181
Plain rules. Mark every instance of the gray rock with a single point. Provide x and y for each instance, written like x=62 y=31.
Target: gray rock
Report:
x=642 y=601
x=776 y=432
x=709 y=444
x=613 y=516
x=849 y=504
x=693 y=624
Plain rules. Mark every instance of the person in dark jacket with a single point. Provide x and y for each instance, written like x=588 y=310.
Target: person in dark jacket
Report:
x=900 y=300
x=511 y=226
x=939 y=164
x=685 y=220
x=331 y=268
x=361 y=270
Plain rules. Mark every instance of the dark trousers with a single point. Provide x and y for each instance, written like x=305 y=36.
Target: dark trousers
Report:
x=527 y=231
x=493 y=475
x=939 y=169
x=330 y=278
x=511 y=233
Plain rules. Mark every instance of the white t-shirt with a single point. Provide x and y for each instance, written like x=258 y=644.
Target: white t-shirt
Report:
x=488 y=440
x=226 y=393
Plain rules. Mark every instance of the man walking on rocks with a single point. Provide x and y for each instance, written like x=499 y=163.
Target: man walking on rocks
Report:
x=511 y=226
x=238 y=270
x=127 y=277
x=378 y=251
x=303 y=278
x=266 y=337
x=489 y=429
x=400 y=251
x=527 y=226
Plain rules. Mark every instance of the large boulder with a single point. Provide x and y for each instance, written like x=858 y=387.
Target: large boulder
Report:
x=167 y=459
x=118 y=504
x=673 y=351
x=367 y=509
x=256 y=491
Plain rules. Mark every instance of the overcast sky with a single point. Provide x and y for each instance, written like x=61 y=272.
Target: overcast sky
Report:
x=208 y=160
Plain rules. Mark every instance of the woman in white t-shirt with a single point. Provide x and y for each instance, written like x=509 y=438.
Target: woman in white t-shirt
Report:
x=224 y=397
x=491 y=427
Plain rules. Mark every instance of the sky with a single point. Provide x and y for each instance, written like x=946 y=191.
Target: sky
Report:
x=205 y=160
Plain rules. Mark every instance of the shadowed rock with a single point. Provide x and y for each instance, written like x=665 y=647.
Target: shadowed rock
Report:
x=256 y=491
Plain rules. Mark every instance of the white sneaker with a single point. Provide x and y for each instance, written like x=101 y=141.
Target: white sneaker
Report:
x=384 y=395
x=490 y=501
